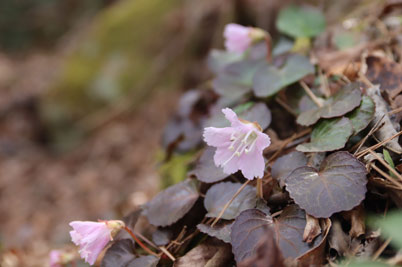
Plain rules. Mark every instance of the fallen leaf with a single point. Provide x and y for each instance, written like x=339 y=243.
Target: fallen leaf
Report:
x=385 y=72
x=207 y=254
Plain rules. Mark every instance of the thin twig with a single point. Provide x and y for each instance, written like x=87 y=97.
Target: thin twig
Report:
x=229 y=202
x=382 y=248
x=285 y=106
x=386 y=176
x=374 y=147
x=372 y=130
x=386 y=165
x=139 y=242
x=164 y=250
x=311 y=94
x=146 y=240
x=394 y=111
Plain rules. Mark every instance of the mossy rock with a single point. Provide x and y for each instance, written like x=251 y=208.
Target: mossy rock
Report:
x=115 y=60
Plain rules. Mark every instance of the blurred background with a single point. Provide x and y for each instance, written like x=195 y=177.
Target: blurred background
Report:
x=86 y=88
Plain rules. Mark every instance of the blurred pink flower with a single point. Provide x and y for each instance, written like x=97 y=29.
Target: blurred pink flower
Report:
x=92 y=237
x=238 y=37
x=55 y=258
x=239 y=147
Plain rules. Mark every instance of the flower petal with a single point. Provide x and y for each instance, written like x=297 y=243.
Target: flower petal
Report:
x=252 y=164
x=232 y=117
x=224 y=157
x=263 y=141
x=217 y=136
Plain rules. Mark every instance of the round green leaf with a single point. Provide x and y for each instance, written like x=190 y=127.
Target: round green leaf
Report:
x=268 y=79
x=220 y=194
x=339 y=185
x=328 y=135
x=236 y=79
x=362 y=116
x=299 y=21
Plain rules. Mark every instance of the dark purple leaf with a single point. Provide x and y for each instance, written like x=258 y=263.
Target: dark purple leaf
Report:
x=339 y=185
x=162 y=237
x=205 y=170
x=251 y=225
x=247 y=230
x=346 y=100
x=221 y=232
x=172 y=204
x=220 y=194
x=267 y=253
x=284 y=165
x=121 y=254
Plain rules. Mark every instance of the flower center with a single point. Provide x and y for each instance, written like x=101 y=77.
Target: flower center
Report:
x=242 y=143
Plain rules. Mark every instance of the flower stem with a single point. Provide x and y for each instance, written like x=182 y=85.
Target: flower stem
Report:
x=139 y=242
x=259 y=188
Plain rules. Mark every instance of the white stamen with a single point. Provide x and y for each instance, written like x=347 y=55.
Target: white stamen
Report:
x=246 y=144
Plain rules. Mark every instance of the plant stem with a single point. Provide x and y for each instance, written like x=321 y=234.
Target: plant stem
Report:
x=259 y=188
x=139 y=242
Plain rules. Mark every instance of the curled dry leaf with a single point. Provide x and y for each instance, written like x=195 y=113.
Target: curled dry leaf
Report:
x=339 y=185
x=220 y=194
x=357 y=221
x=385 y=72
x=172 y=204
x=312 y=229
x=208 y=254
x=381 y=113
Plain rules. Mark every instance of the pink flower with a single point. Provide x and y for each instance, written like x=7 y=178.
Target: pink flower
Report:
x=55 y=258
x=238 y=37
x=239 y=147
x=92 y=237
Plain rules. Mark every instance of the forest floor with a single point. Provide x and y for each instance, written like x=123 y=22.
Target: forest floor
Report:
x=105 y=177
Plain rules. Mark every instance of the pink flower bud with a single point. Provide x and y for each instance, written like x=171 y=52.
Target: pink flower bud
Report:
x=238 y=147
x=238 y=37
x=92 y=237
